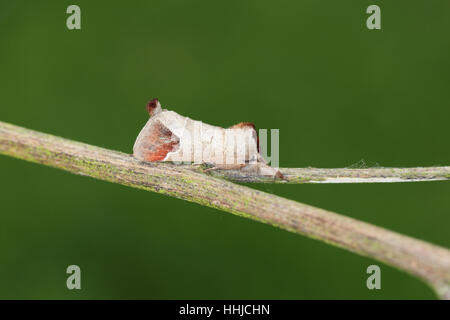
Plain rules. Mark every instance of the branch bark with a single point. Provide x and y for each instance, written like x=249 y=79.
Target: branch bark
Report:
x=429 y=262
x=341 y=175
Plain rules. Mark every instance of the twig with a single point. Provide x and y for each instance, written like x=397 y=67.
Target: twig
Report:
x=427 y=261
x=343 y=175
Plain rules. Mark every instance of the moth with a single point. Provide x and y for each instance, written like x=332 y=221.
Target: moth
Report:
x=168 y=136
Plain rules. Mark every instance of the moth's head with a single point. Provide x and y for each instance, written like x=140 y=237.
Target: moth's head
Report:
x=153 y=107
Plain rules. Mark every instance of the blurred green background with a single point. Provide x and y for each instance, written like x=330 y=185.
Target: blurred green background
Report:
x=337 y=91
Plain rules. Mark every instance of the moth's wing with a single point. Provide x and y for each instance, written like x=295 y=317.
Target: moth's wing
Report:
x=154 y=142
x=243 y=125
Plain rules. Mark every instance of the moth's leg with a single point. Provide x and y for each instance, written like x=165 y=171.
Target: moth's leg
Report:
x=226 y=167
x=266 y=170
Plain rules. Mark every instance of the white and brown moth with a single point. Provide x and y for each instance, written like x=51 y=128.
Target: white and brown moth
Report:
x=168 y=136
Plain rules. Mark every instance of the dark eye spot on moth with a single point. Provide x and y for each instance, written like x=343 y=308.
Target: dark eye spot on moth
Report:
x=168 y=136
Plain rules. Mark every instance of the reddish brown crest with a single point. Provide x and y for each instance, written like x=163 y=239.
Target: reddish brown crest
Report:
x=152 y=106
x=241 y=125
